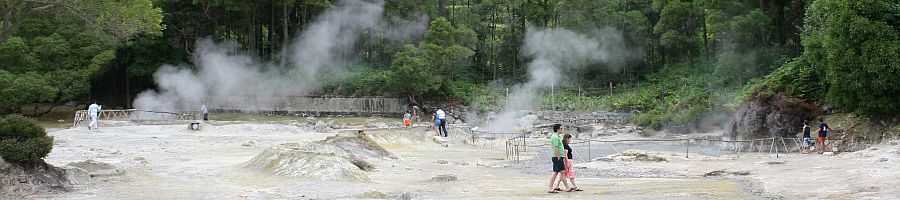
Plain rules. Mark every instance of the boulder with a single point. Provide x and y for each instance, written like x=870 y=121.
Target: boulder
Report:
x=527 y=122
x=775 y=116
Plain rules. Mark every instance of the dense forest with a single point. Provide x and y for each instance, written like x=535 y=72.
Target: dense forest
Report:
x=687 y=57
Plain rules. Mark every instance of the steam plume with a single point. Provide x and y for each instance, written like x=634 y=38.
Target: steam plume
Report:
x=554 y=53
x=224 y=74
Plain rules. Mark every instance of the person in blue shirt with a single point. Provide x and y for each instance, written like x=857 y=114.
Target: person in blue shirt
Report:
x=823 y=134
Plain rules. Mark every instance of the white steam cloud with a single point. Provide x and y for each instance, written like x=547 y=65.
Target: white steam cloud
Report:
x=224 y=75
x=555 y=53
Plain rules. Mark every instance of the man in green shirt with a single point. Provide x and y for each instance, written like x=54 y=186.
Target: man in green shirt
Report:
x=557 y=154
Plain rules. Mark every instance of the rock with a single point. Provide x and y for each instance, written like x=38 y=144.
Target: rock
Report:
x=439 y=140
x=828 y=154
x=322 y=126
x=774 y=116
x=882 y=160
x=443 y=162
x=726 y=173
x=444 y=177
x=77 y=175
x=604 y=159
x=96 y=168
x=500 y=166
x=643 y=156
x=774 y=162
x=312 y=160
x=527 y=122
x=404 y=196
x=142 y=160
x=250 y=143
x=625 y=158
x=523 y=113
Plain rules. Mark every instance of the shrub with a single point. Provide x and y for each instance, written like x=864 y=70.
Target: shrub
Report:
x=23 y=140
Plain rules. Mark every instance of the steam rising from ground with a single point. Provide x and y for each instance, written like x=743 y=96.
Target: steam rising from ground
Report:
x=224 y=73
x=555 y=53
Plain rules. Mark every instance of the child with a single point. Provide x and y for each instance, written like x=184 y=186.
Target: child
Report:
x=407 y=119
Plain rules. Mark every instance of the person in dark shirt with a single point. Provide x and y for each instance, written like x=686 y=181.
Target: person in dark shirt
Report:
x=806 y=142
x=823 y=134
x=570 y=166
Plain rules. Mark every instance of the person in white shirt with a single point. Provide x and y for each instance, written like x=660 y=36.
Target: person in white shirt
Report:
x=94 y=112
x=443 y=117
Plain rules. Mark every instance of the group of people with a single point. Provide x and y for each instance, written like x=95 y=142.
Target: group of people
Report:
x=822 y=132
x=439 y=117
x=561 y=157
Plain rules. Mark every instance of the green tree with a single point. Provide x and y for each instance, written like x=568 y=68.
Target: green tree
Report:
x=118 y=18
x=448 y=47
x=411 y=74
x=860 y=41
x=54 y=48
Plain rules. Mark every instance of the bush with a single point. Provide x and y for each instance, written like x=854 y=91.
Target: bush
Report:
x=23 y=140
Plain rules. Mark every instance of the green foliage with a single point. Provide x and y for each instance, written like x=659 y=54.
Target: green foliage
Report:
x=861 y=43
x=54 y=53
x=416 y=71
x=412 y=74
x=676 y=27
x=23 y=140
x=448 y=47
x=19 y=89
x=850 y=58
x=368 y=81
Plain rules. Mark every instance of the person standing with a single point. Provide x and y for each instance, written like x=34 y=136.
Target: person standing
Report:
x=407 y=119
x=205 y=112
x=415 y=113
x=823 y=134
x=804 y=145
x=94 y=112
x=557 y=150
x=443 y=117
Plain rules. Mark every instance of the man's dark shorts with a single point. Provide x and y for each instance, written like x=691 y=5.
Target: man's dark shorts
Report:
x=558 y=165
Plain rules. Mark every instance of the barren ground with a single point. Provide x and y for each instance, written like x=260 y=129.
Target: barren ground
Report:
x=172 y=162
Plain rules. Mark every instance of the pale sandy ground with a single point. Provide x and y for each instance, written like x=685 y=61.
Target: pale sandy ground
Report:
x=206 y=164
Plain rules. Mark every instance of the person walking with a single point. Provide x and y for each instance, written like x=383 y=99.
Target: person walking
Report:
x=823 y=134
x=94 y=112
x=804 y=145
x=437 y=124
x=570 y=166
x=443 y=117
x=557 y=150
x=205 y=112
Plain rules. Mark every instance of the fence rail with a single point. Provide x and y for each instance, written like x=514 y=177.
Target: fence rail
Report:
x=136 y=115
x=518 y=145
